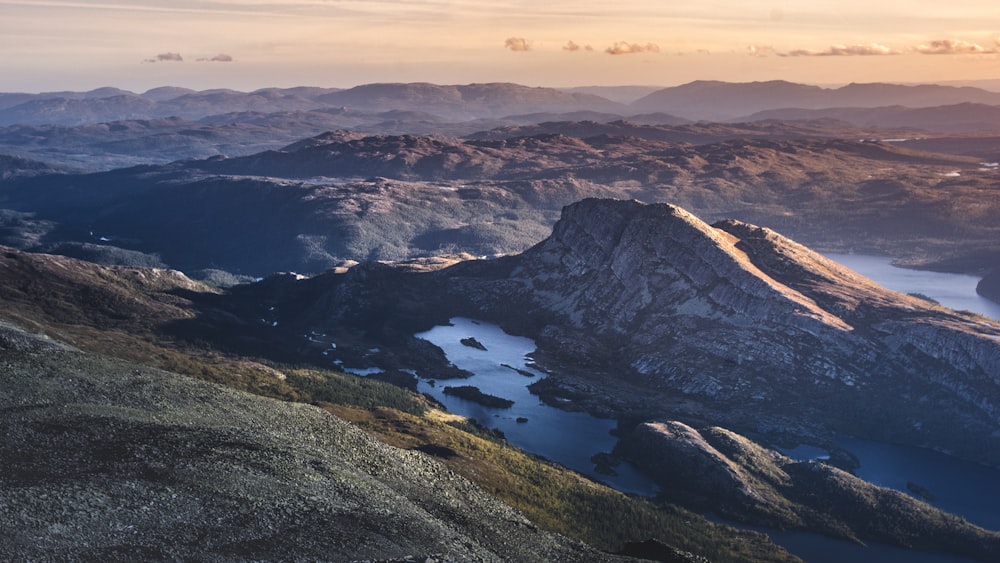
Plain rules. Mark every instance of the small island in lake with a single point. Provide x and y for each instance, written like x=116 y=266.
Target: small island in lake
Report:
x=472 y=393
x=523 y=372
x=471 y=342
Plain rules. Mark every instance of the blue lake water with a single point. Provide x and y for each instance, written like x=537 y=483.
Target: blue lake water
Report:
x=955 y=291
x=568 y=438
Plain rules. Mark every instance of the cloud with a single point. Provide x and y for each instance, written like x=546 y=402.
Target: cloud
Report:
x=953 y=47
x=623 y=48
x=517 y=44
x=869 y=50
x=166 y=58
x=760 y=50
x=572 y=46
x=220 y=58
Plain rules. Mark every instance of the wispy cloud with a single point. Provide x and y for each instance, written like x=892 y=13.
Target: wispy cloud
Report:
x=624 y=48
x=572 y=46
x=517 y=44
x=954 y=47
x=220 y=58
x=760 y=50
x=166 y=58
x=868 y=50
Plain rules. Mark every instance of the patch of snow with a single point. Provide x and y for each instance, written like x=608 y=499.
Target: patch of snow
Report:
x=955 y=174
x=275 y=323
x=990 y=164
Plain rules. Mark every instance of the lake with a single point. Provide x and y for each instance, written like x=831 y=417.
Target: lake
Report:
x=568 y=438
x=955 y=291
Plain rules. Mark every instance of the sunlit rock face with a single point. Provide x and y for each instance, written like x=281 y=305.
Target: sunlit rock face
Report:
x=744 y=320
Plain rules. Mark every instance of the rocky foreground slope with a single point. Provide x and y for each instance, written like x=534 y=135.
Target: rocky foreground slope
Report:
x=107 y=460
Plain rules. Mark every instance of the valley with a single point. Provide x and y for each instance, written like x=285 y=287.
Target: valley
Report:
x=591 y=328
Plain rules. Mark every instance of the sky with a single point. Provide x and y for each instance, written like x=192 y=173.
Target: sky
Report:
x=50 y=45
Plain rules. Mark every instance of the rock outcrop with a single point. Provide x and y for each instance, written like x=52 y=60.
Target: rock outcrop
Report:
x=740 y=479
x=666 y=312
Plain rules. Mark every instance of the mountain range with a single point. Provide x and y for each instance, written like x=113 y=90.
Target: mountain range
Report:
x=700 y=100
x=110 y=128
x=349 y=196
x=708 y=342
x=174 y=389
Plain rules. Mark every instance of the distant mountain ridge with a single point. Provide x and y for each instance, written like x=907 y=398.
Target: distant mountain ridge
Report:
x=960 y=117
x=463 y=102
x=699 y=100
x=724 y=101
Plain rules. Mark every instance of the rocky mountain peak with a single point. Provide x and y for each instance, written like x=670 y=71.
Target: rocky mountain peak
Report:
x=741 y=320
x=663 y=256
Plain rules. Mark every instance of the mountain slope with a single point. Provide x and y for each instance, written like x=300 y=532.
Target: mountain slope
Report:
x=113 y=461
x=964 y=117
x=467 y=101
x=123 y=430
x=721 y=101
x=747 y=323
x=646 y=309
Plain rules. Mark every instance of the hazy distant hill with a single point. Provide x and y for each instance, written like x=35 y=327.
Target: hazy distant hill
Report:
x=620 y=94
x=461 y=103
x=721 y=101
x=469 y=101
x=963 y=117
x=700 y=100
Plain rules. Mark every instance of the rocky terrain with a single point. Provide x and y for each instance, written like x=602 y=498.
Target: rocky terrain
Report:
x=622 y=236
x=656 y=311
x=115 y=461
x=115 y=449
x=646 y=313
x=653 y=298
x=723 y=470
x=348 y=196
